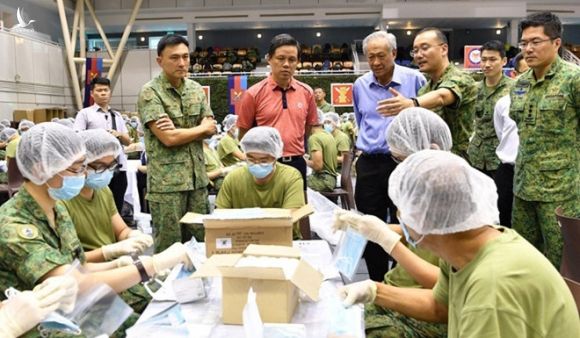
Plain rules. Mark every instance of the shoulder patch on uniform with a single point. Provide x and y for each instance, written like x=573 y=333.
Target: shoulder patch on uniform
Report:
x=27 y=231
x=147 y=94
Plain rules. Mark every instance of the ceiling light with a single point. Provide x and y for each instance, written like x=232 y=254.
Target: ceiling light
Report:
x=318 y=34
x=498 y=32
x=259 y=36
x=142 y=39
x=200 y=37
x=409 y=32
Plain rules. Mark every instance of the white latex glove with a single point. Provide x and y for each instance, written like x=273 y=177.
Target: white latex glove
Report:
x=360 y=292
x=123 y=261
x=369 y=226
x=126 y=247
x=60 y=291
x=169 y=258
x=21 y=313
x=147 y=239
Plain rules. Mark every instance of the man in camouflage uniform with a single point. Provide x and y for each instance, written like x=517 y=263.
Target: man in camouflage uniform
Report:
x=494 y=86
x=176 y=177
x=449 y=92
x=545 y=104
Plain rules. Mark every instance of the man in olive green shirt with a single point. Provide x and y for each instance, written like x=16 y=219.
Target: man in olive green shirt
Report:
x=319 y=97
x=264 y=182
x=176 y=177
x=332 y=126
x=323 y=158
x=494 y=86
x=449 y=92
x=545 y=104
x=228 y=147
x=492 y=282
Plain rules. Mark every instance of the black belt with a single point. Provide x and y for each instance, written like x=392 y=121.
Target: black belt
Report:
x=288 y=159
x=376 y=155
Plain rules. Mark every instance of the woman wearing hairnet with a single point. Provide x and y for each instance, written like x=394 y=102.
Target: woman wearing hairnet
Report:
x=102 y=232
x=38 y=239
x=10 y=137
x=264 y=182
x=228 y=147
x=24 y=125
x=492 y=282
x=414 y=129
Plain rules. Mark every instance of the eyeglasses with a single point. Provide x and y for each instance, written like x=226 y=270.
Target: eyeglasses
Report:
x=101 y=169
x=423 y=49
x=78 y=171
x=533 y=43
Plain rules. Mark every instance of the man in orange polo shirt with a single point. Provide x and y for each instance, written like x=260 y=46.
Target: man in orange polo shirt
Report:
x=282 y=102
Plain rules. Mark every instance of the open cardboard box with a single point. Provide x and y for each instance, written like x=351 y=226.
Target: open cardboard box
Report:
x=276 y=293
x=232 y=230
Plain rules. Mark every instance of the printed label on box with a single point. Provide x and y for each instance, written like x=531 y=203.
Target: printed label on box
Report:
x=223 y=243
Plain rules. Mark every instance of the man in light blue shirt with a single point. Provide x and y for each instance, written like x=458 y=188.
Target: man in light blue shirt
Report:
x=375 y=164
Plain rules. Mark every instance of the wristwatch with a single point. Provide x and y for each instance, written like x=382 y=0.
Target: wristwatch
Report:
x=415 y=102
x=139 y=265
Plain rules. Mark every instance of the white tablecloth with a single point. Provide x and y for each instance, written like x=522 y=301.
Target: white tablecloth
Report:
x=203 y=317
x=132 y=193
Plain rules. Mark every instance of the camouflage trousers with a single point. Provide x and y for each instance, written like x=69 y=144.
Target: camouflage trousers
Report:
x=321 y=182
x=137 y=298
x=385 y=323
x=537 y=223
x=166 y=211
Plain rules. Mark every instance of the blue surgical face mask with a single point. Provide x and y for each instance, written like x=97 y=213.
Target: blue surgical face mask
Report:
x=134 y=125
x=71 y=186
x=328 y=128
x=408 y=237
x=261 y=170
x=99 y=180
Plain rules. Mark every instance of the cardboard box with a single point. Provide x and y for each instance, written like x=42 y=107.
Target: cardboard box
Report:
x=19 y=114
x=276 y=292
x=232 y=230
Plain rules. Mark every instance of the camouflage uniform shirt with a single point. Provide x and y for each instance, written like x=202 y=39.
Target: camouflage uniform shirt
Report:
x=547 y=112
x=179 y=168
x=484 y=142
x=29 y=246
x=459 y=115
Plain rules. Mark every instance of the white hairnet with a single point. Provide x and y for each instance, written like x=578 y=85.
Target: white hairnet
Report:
x=438 y=192
x=25 y=125
x=264 y=140
x=416 y=129
x=99 y=143
x=5 y=122
x=333 y=117
x=47 y=149
x=229 y=121
x=7 y=133
x=319 y=117
x=2 y=127
x=66 y=122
